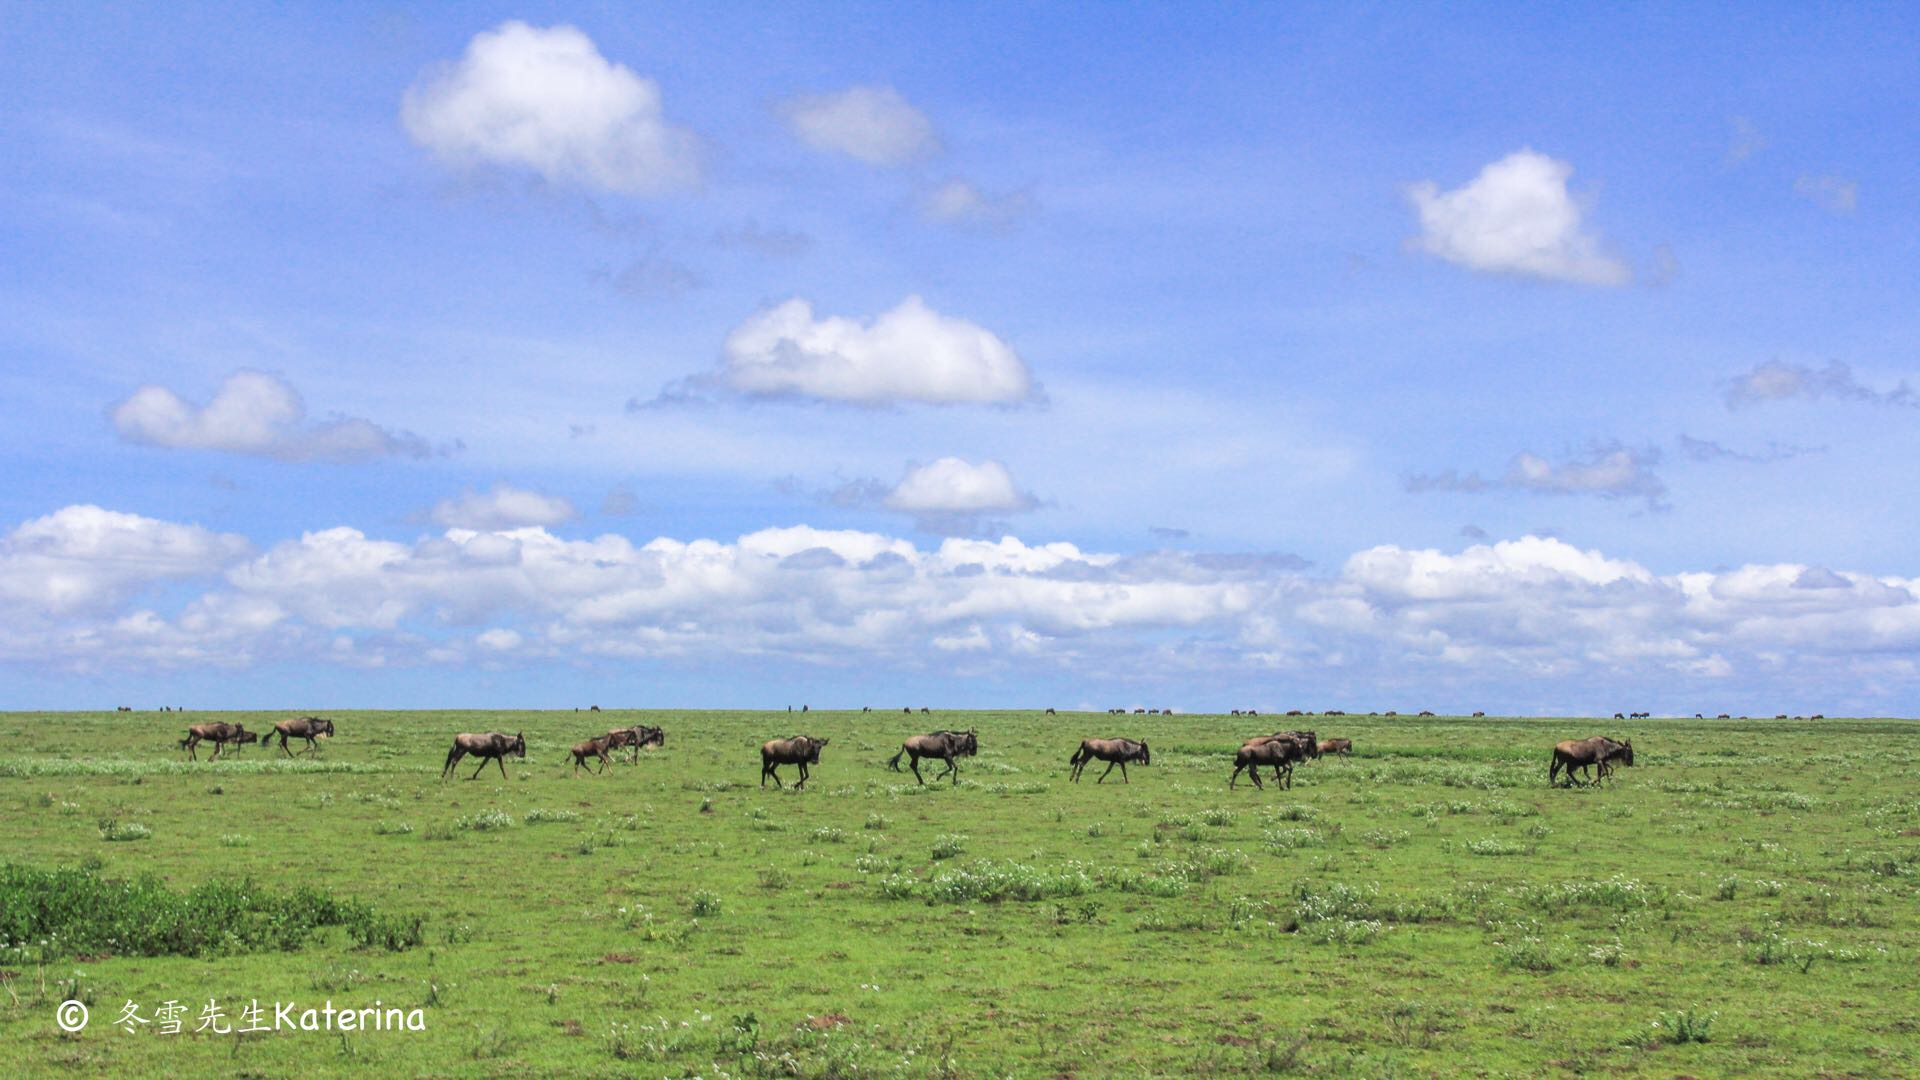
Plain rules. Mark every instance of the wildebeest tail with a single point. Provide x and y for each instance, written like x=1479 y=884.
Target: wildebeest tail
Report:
x=894 y=762
x=1079 y=755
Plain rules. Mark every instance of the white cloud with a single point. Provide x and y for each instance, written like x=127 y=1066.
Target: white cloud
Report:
x=872 y=123
x=83 y=557
x=910 y=353
x=504 y=507
x=546 y=100
x=1745 y=142
x=255 y=413
x=1834 y=193
x=1515 y=217
x=1535 y=611
x=1777 y=380
x=959 y=202
x=1606 y=469
x=955 y=486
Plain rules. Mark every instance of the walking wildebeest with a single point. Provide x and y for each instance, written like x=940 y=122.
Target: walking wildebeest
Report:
x=639 y=736
x=307 y=727
x=219 y=733
x=948 y=746
x=1278 y=752
x=1050 y=712
x=594 y=708
x=1113 y=752
x=595 y=747
x=1305 y=742
x=801 y=750
x=1337 y=746
x=492 y=746
x=1584 y=753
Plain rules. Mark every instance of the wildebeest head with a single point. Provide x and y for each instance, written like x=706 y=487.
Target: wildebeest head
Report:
x=1625 y=753
x=242 y=736
x=813 y=749
x=1146 y=757
x=320 y=726
x=518 y=747
x=968 y=744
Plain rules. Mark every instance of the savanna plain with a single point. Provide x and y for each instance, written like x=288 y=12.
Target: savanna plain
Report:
x=1740 y=902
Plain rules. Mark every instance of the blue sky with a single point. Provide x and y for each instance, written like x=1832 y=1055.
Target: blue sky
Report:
x=1198 y=357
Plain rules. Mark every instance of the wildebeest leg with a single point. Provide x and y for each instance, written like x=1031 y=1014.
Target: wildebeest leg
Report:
x=804 y=773
x=1103 y=776
x=1289 y=776
x=283 y=744
x=1553 y=768
x=453 y=757
x=482 y=768
x=1123 y=772
x=312 y=747
x=500 y=761
x=913 y=762
x=773 y=771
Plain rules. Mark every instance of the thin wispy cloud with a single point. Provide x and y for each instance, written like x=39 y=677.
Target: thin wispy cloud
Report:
x=1776 y=380
x=1607 y=470
x=872 y=124
x=1835 y=194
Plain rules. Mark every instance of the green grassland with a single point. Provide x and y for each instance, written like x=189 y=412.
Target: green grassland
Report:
x=1740 y=903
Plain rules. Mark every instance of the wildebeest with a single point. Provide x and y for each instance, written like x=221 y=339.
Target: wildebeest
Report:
x=924 y=709
x=306 y=727
x=1113 y=752
x=801 y=750
x=1583 y=753
x=948 y=746
x=1426 y=712
x=1281 y=753
x=638 y=736
x=492 y=746
x=1050 y=712
x=595 y=747
x=1479 y=712
x=1337 y=746
x=219 y=733
x=1723 y=716
x=594 y=708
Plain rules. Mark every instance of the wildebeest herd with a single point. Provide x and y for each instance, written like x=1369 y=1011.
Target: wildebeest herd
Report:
x=1593 y=758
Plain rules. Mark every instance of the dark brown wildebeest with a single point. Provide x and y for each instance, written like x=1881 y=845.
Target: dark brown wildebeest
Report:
x=924 y=709
x=307 y=727
x=948 y=746
x=801 y=750
x=639 y=736
x=595 y=747
x=1305 y=743
x=593 y=708
x=1337 y=746
x=1426 y=712
x=1585 y=753
x=1113 y=752
x=1818 y=716
x=492 y=746
x=1723 y=716
x=1050 y=712
x=219 y=733
x=1479 y=712
x=1269 y=750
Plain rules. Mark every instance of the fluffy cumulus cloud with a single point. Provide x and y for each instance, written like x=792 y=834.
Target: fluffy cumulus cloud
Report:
x=503 y=507
x=871 y=123
x=1608 y=470
x=1779 y=381
x=911 y=353
x=955 y=485
x=84 y=558
x=546 y=100
x=255 y=413
x=1515 y=217
x=1534 y=611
